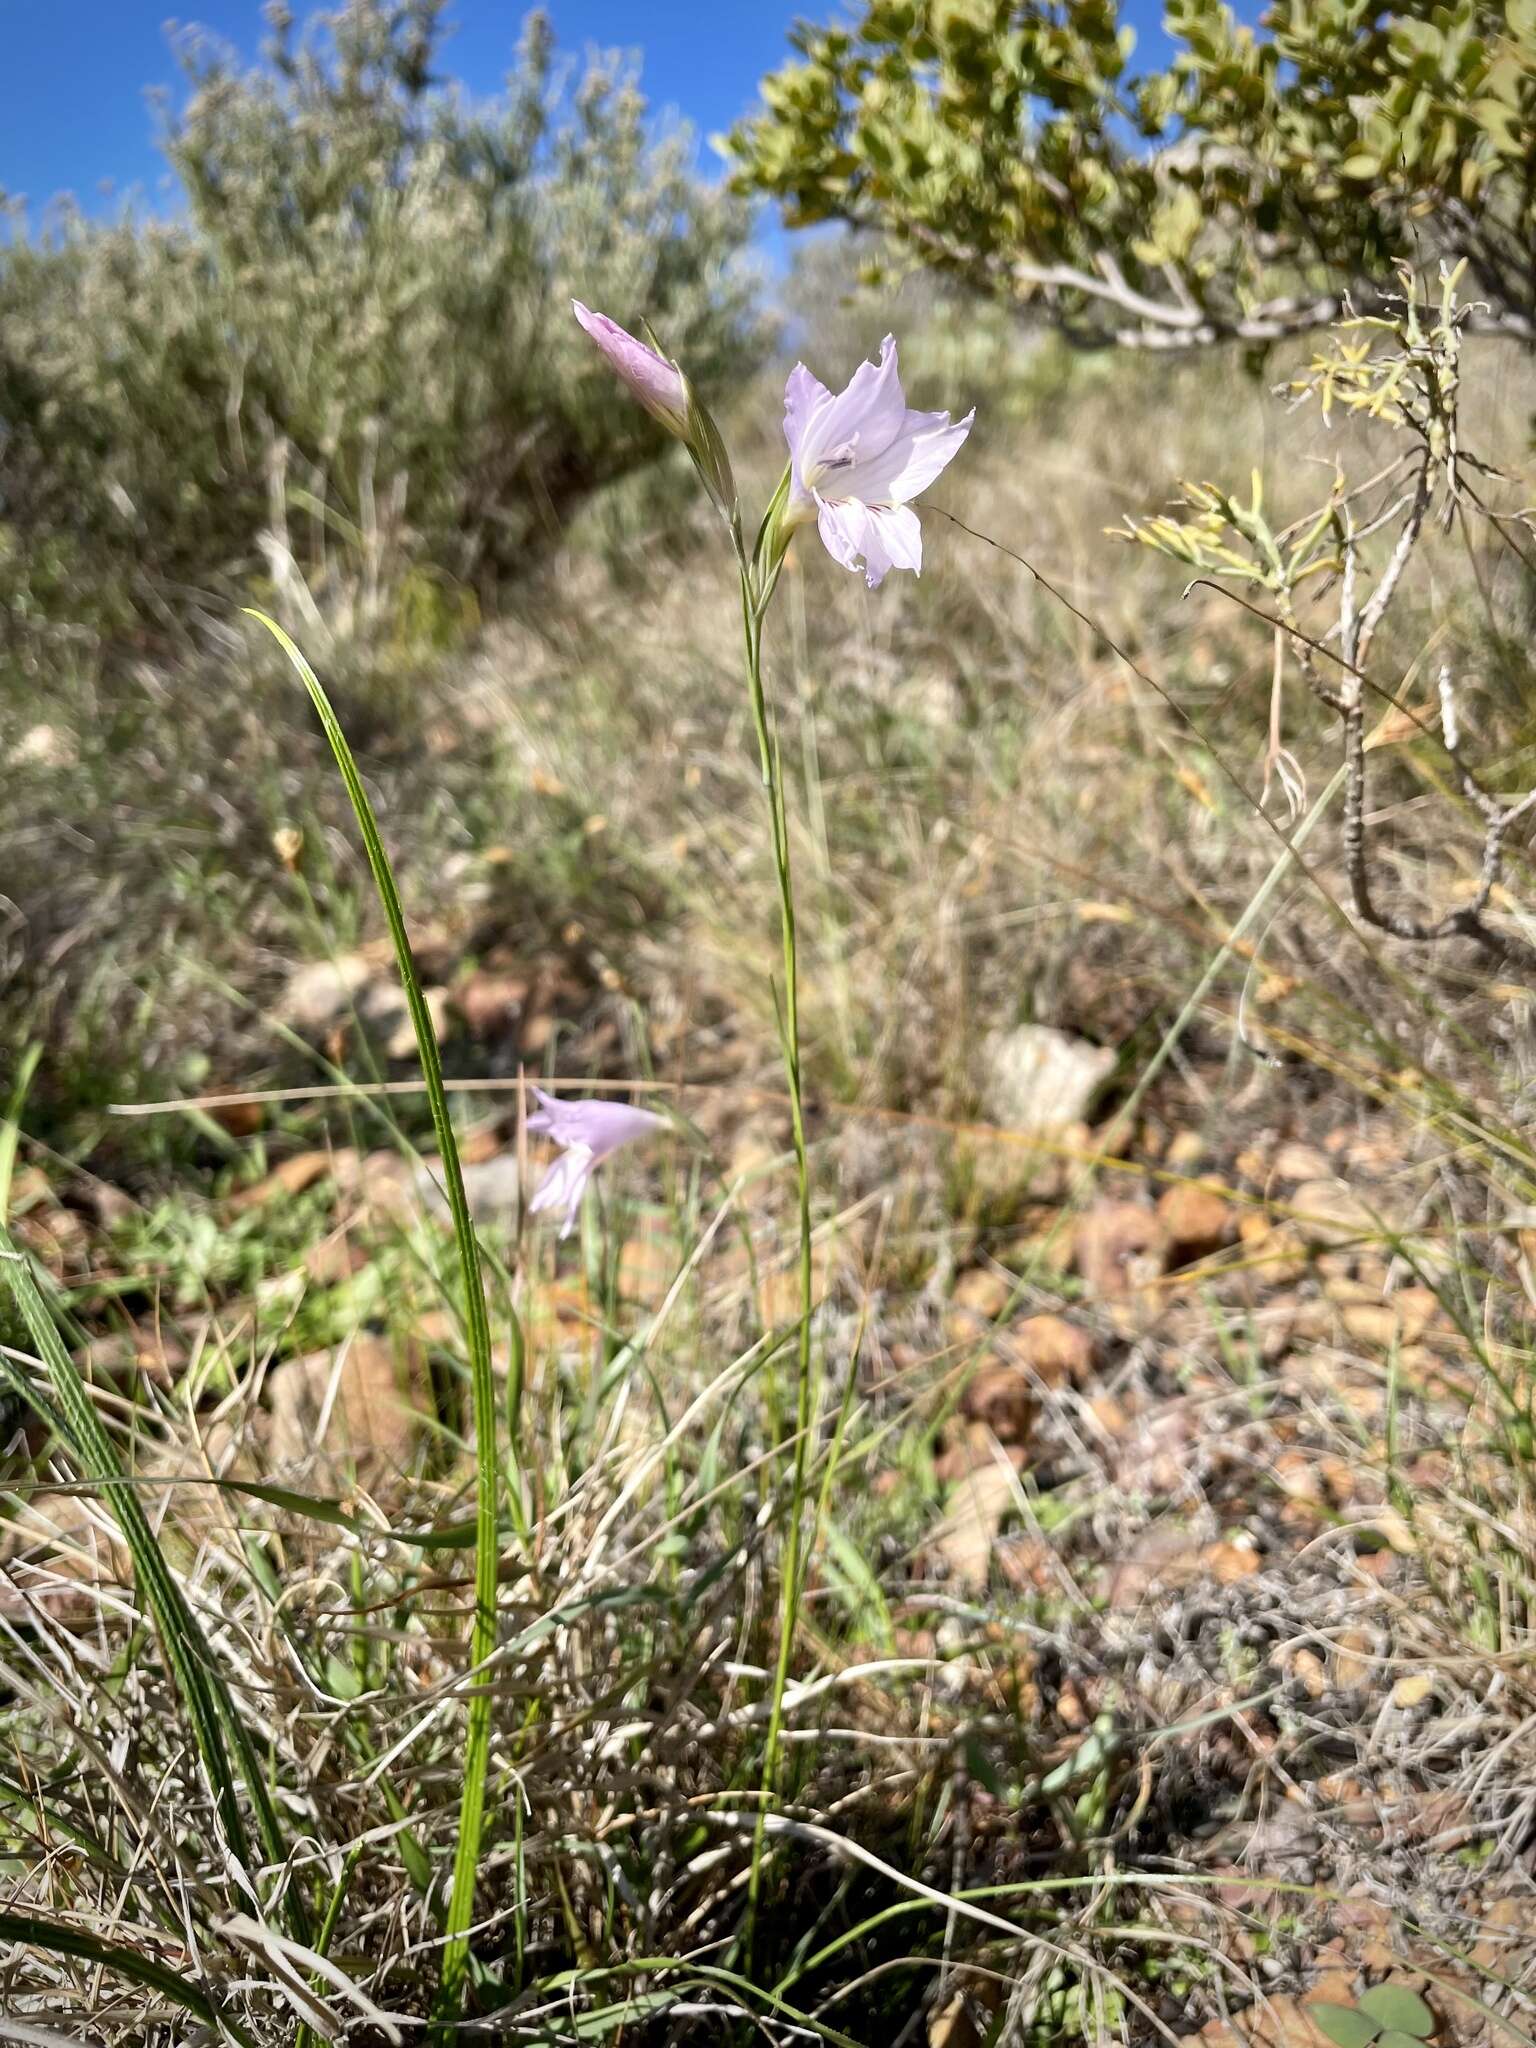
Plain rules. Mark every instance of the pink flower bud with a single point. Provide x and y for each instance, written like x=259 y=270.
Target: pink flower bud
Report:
x=653 y=380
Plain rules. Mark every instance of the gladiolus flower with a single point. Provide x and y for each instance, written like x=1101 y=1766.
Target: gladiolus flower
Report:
x=587 y=1133
x=856 y=458
x=654 y=381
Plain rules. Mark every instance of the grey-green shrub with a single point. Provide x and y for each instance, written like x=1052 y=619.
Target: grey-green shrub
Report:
x=355 y=350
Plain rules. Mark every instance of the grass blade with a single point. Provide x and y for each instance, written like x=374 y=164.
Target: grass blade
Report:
x=477 y=1743
x=193 y=1666
x=60 y=1938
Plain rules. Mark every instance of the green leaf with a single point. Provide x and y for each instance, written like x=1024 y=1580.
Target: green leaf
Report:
x=454 y=1966
x=321 y=1508
x=1345 y=2025
x=216 y=1721
x=1396 y=2038
x=64 y=1938
x=1395 y=2006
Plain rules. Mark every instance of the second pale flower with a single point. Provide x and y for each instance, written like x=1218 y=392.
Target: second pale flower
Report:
x=857 y=458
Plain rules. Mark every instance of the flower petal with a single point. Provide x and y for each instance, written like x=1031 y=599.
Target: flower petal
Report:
x=564 y=1185
x=886 y=536
x=546 y=1116
x=803 y=394
x=926 y=445
x=857 y=425
x=601 y=1126
x=605 y=1126
x=842 y=530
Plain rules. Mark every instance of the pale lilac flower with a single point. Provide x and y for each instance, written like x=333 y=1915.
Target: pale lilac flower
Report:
x=857 y=458
x=587 y=1133
x=658 y=386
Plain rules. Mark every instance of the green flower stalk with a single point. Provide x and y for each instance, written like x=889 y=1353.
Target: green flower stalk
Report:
x=856 y=459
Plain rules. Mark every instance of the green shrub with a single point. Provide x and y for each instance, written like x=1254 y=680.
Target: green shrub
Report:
x=1243 y=190
x=355 y=350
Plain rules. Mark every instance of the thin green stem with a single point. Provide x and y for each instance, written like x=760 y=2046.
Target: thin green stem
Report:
x=306 y=2036
x=756 y=590
x=477 y=1332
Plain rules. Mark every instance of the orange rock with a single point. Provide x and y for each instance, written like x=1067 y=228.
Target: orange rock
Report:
x=1054 y=1349
x=240 y=1119
x=982 y=1292
x=1197 y=1222
x=1001 y=1397
x=1120 y=1249
x=360 y=1409
x=1229 y=1562
x=491 y=1004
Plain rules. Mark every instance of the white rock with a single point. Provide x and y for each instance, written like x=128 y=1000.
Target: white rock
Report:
x=1035 y=1078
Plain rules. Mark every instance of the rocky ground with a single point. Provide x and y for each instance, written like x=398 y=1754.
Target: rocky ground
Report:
x=1176 y=1445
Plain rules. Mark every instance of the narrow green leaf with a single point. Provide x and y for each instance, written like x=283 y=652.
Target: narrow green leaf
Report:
x=322 y=1508
x=1395 y=2006
x=609 y=2019
x=477 y=1331
x=10 y=1130
x=62 y=1938
x=194 y=1669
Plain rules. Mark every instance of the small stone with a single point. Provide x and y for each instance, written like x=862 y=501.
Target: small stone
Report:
x=982 y=1292
x=1037 y=1078
x=334 y=1259
x=1371 y=1324
x=1232 y=1561
x=1197 y=1221
x=1413 y=1689
x=371 y=1399
x=491 y=1187
x=1504 y=1922
x=1120 y=1249
x=491 y=1004
x=155 y=1351
x=1056 y=1351
x=1300 y=1162
x=1308 y=1670
x=1353 y=1661
x=1272 y=1252
x=982 y=1501
x=323 y=990
x=44 y=746
x=1001 y=1397
x=971 y=1449
x=401 y=1042
x=1186 y=1151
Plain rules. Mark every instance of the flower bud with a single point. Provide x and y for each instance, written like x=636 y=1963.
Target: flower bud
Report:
x=657 y=384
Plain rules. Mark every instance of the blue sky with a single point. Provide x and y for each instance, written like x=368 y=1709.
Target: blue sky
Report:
x=73 y=115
